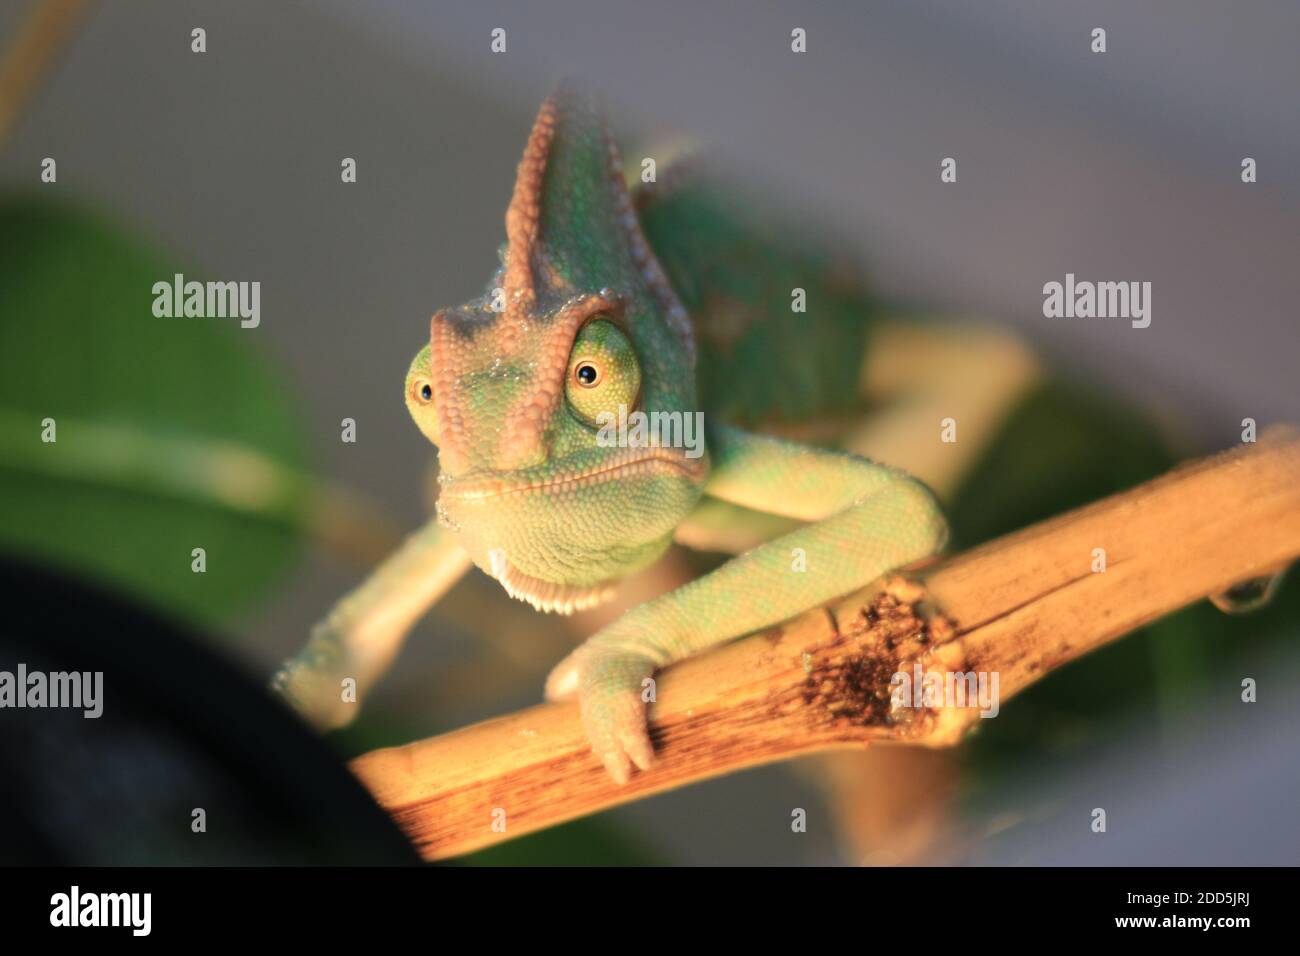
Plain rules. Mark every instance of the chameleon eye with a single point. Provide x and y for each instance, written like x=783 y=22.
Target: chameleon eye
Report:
x=422 y=391
x=603 y=372
x=418 y=389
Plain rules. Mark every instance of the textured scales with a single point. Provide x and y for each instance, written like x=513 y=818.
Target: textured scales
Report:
x=532 y=495
x=556 y=275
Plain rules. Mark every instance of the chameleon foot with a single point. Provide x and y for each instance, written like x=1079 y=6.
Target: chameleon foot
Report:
x=609 y=687
x=311 y=684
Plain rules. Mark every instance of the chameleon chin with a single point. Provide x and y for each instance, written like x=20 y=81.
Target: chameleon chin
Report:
x=668 y=301
x=562 y=540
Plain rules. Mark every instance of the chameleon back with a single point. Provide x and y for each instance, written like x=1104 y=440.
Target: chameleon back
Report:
x=760 y=360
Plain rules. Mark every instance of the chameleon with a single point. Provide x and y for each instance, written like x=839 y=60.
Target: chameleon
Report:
x=671 y=299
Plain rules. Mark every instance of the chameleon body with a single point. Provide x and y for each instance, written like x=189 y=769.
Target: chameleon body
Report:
x=672 y=301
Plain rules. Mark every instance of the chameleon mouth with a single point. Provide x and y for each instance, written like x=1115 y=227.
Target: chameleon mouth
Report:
x=633 y=462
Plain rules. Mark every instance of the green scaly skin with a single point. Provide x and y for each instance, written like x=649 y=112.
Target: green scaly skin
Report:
x=675 y=307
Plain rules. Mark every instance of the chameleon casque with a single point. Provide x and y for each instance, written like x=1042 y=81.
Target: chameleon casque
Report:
x=668 y=298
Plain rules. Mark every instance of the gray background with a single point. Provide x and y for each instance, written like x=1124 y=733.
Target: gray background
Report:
x=1117 y=166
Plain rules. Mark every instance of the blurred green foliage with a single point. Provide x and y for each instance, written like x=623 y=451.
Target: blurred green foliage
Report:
x=139 y=404
x=592 y=841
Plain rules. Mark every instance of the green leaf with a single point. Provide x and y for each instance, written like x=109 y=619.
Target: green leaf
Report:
x=171 y=433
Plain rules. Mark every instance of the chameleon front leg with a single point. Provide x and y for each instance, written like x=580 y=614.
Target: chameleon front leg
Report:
x=364 y=631
x=868 y=518
x=915 y=376
x=717 y=525
x=918 y=375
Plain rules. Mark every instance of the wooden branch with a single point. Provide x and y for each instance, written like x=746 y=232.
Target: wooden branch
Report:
x=1018 y=607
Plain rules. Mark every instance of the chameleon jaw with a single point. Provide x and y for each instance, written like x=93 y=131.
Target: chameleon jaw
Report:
x=547 y=596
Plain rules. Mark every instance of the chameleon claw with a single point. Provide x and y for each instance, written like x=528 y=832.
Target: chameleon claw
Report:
x=638 y=747
x=608 y=686
x=618 y=765
x=633 y=749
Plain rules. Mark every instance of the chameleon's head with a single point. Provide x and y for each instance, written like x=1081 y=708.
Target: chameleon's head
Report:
x=524 y=390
